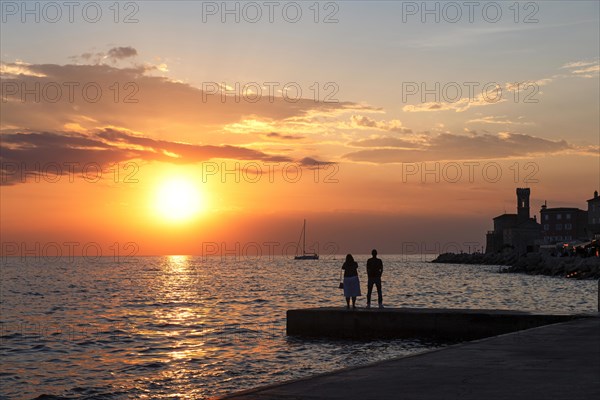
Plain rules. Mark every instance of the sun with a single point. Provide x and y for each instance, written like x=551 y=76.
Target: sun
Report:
x=178 y=200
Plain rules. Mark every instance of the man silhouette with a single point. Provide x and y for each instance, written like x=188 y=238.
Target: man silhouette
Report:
x=374 y=272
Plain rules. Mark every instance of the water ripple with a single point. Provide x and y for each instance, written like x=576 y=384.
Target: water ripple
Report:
x=174 y=327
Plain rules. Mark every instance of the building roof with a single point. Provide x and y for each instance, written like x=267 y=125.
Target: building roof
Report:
x=556 y=209
x=506 y=216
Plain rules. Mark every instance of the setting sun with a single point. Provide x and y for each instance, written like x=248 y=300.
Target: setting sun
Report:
x=178 y=200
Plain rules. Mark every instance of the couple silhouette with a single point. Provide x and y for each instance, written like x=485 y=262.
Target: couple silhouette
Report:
x=351 y=283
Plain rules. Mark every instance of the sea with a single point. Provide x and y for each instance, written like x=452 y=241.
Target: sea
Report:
x=187 y=327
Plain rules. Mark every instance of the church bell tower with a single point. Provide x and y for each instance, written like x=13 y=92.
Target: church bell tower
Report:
x=523 y=205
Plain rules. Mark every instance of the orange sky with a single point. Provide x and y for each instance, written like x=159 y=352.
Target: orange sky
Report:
x=377 y=170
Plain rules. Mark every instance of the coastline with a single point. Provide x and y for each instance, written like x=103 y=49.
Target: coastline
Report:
x=530 y=263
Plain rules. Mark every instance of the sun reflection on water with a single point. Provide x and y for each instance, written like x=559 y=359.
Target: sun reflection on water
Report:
x=178 y=261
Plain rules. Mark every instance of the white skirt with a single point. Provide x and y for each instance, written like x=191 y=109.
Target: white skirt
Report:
x=351 y=286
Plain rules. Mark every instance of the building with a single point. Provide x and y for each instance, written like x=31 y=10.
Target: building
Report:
x=593 y=215
x=518 y=232
x=563 y=224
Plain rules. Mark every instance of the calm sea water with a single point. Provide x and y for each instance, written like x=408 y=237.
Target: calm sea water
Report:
x=188 y=327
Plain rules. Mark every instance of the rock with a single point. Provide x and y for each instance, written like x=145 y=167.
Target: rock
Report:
x=531 y=263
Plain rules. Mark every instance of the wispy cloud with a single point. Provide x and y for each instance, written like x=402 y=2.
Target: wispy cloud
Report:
x=584 y=69
x=528 y=90
x=524 y=85
x=461 y=147
x=497 y=120
x=459 y=105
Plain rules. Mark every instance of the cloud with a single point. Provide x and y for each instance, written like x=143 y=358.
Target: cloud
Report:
x=500 y=120
x=587 y=70
x=578 y=64
x=488 y=95
x=313 y=123
x=150 y=104
x=313 y=163
x=384 y=141
x=120 y=53
x=275 y=135
x=173 y=116
x=583 y=69
x=113 y=55
x=527 y=85
x=591 y=149
x=390 y=126
x=487 y=98
x=184 y=152
x=105 y=148
x=18 y=68
x=461 y=147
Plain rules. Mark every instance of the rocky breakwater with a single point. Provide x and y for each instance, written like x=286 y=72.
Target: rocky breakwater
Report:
x=531 y=263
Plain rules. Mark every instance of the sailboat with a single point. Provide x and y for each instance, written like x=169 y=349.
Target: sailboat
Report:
x=305 y=256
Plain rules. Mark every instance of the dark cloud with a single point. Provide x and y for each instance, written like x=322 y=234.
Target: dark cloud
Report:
x=115 y=54
x=275 y=135
x=310 y=162
x=187 y=153
x=384 y=142
x=459 y=147
x=119 y=53
x=20 y=152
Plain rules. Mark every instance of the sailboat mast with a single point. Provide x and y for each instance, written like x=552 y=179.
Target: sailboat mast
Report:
x=304 y=238
x=304 y=255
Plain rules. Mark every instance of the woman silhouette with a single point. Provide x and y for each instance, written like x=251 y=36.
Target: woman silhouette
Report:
x=351 y=282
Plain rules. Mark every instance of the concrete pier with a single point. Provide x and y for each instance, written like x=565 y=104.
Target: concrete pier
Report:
x=559 y=362
x=442 y=324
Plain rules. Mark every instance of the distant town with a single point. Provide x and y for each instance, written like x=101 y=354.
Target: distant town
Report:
x=560 y=230
x=565 y=242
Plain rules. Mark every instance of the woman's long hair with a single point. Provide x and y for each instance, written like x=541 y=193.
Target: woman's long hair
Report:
x=349 y=259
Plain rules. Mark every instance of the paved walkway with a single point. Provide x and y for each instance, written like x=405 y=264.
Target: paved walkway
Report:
x=554 y=362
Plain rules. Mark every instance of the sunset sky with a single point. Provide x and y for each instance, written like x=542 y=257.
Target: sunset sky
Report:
x=169 y=135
